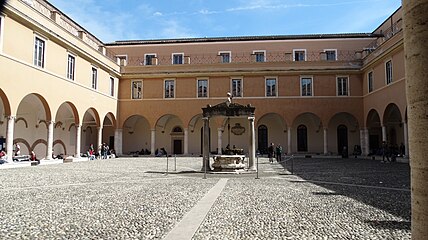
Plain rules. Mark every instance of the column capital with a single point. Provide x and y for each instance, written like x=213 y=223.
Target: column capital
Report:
x=11 y=117
x=251 y=118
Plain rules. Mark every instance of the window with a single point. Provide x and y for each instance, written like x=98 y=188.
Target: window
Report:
x=342 y=86
x=39 y=52
x=299 y=55
x=71 y=66
x=149 y=59
x=202 y=88
x=122 y=60
x=271 y=87
x=169 y=88
x=237 y=87
x=111 y=86
x=306 y=86
x=225 y=57
x=370 y=81
x=137 y=87
x=330 y=54
x=177 y=58
x=388 y=69
x=94 y=78
x=260 y=55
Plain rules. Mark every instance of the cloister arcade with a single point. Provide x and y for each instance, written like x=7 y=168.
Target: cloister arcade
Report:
x=33 y=126
x=70 y=130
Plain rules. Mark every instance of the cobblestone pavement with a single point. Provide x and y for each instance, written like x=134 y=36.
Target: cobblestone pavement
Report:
x=133 y=198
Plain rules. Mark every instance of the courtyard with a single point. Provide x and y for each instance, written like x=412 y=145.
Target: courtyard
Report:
x=134 y=198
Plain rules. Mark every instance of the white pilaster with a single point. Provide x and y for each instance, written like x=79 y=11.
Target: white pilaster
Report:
x=186 y=141
x=50 y=140
x=219 y=140
x=99 y=140
x=9 y=137
x=206 y=143
x=325 y=142
x=153 y=141
x=118 y=141
x=367 y=142
x=78 y=141
x=289 y=141
x=252 y=144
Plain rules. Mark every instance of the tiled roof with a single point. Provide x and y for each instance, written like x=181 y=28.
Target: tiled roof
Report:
x=244 y=38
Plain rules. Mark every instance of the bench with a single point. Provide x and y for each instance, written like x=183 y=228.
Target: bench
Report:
x=21 y=158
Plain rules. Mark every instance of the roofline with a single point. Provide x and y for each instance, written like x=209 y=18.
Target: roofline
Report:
x=244 y=38
x=387 y=19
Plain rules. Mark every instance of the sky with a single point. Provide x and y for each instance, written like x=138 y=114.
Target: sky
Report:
x=113 y=20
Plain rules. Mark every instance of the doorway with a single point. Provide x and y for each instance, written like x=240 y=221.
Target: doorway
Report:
x=302 y=138
x=342 y=138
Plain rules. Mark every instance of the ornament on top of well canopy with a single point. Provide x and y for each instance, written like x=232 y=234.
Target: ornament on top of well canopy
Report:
x=228 y=109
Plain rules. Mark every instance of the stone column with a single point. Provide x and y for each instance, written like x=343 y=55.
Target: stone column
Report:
x=9 y=137
x=153 y=142
x=252 y=144
x=78 y=140
x=367 y=142
x=186 y=141
x=100 y=140
x=406 y=139
x=363 y=142
x=50 y=140
x=206 y=147
x=384 y=133
x=289 y=141
x=219 y=140
x=118 y=133
x=415 y=20
x=325 y=141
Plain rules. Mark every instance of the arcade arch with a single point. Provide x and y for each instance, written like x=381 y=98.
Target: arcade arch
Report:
x=271 y=127
x=136 y=135
x=343 y=129
x=308 y=136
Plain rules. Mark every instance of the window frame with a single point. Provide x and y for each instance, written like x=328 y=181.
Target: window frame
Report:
x=338 y=89
x=389 y=80
x=197 y=87
x=330 y=50
x=73 y=78
x=255 y=53
x=132 y=90
x=35 y=52
x=276 y=86
x=94 y=80
x=112 y=86
x=222 y=53
x=173 y=89
x=152 y=63
x=301 y=85
x=119 y=59
x=241 y=80
x=299 y=50
x=370 y=81
x=173 y=59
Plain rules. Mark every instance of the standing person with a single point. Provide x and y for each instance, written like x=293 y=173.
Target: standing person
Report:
x=402 y=150
x=385 y=152
x=278 y=153
x=270 y=152
x=17 y=149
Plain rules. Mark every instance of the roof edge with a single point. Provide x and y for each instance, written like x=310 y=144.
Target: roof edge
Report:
x=244 y=38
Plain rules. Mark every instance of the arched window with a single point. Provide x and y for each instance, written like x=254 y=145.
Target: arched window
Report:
x=177 y=130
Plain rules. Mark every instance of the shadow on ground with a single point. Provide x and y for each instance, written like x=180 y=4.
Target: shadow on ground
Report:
x=388 y=185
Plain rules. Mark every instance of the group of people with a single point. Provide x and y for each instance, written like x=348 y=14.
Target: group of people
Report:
x=275 y=152
x=104 y=152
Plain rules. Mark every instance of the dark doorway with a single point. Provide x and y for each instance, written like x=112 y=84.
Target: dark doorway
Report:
x=302 y=138
x=111 y=142
x=263 y=139
x=342 y=138
x=178 y=146
x=374 y=143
